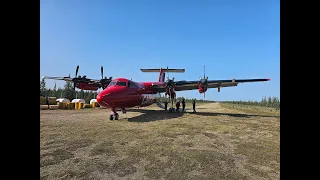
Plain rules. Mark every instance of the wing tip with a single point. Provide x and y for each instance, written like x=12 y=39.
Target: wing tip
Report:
x=268 y=79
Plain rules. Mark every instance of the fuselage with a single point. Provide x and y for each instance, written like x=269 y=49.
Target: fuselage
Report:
x=124 y=93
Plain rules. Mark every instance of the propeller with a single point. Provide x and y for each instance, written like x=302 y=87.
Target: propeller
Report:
x=204 y=81
x=74 y=83
x=104 y=81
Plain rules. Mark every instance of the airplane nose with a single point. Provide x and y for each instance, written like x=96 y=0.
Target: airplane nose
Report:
x=103 y=98
x=99 y=98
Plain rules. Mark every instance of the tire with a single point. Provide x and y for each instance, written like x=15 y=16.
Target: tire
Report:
x=116 y=116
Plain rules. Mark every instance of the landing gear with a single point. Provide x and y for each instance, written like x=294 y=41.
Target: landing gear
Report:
x=114 y=115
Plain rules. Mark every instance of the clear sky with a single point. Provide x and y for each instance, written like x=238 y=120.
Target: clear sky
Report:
x=234 y=39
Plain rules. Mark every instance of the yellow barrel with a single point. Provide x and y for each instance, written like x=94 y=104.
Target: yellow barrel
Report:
x=81 y=105
x=76 y=105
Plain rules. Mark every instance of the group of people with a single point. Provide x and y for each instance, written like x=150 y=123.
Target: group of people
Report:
x=183 y=105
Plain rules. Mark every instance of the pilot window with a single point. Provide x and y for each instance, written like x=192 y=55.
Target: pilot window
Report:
x=112 y=83
x=119 y=83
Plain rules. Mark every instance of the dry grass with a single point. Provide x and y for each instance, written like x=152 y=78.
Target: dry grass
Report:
x=216 y=143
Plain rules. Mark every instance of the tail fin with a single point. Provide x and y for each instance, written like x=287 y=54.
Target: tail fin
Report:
x=162 y=72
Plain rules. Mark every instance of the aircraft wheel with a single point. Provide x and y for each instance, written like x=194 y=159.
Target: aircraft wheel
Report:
x=111 y=117
x=116 y=116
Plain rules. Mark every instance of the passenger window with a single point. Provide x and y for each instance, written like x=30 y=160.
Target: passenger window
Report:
x=132 y=85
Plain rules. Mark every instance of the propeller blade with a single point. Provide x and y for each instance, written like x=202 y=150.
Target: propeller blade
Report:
x=77 y=69
x=204 y=71
x=101 y=72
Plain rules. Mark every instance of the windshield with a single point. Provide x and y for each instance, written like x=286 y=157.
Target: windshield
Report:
x=118 y=83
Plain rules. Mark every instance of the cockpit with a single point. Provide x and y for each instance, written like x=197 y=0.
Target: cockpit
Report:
x=124 y=83
x=117 y=83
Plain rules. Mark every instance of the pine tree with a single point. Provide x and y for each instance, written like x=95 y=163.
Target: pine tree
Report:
x=43 y=87
x=69 y=93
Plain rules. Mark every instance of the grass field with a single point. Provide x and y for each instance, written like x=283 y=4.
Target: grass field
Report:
x=221 y=141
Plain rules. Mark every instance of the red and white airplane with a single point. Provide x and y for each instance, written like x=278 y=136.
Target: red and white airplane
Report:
x=122 y=93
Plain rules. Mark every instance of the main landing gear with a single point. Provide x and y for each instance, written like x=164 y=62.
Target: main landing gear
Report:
x=114 y=115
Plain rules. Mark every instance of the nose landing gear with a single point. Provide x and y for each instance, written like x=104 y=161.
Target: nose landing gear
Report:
x=114 y=115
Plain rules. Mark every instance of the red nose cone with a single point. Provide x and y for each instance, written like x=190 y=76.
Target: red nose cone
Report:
x=99 y=99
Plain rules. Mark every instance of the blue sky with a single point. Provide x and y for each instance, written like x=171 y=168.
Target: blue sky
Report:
x=234 y=39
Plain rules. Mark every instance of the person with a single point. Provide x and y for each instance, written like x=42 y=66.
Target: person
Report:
x=165 y=105
x=194 y=105
x=183 y=105
x=178 y=105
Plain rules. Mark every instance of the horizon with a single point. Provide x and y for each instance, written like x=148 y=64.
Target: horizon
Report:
x=232 y=39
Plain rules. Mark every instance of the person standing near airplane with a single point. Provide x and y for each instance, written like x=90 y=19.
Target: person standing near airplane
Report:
x=183 y=105
x=194 y=105
x=178 y=105
x=165 y=105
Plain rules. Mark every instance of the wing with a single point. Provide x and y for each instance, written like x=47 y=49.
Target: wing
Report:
x=192 y=85
x=58 y=78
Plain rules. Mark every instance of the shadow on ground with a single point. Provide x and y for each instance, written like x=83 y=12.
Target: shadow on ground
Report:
x=149 y=115
x=155 y=115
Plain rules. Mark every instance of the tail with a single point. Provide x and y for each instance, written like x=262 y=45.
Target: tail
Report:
x=162 y=72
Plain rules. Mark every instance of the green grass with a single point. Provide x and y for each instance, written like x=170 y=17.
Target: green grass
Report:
x=220 y=142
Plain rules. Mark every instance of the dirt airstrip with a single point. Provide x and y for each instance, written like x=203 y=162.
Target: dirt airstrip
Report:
x=220 y=141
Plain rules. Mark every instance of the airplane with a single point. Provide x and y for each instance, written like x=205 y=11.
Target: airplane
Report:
x=122 y=93
x=83 y=82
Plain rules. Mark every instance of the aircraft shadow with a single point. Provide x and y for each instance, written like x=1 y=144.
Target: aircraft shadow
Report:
x=149 y=115
x=156 y=115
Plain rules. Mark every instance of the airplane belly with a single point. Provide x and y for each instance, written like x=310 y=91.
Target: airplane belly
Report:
x=148 y=99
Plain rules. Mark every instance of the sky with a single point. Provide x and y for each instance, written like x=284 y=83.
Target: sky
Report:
x=233 y=39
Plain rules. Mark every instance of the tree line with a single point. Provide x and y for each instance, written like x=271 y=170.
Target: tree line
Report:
x=272 y=102
x=66 y=92
x=69 y=93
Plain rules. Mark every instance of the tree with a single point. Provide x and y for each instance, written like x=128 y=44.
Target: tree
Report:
x=69 y=92
x=43 y=87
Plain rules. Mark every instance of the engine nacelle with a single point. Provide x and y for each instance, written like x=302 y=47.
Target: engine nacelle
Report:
x=202 y=89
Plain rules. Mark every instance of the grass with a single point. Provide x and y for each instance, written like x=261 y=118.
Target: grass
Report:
x=221 y=141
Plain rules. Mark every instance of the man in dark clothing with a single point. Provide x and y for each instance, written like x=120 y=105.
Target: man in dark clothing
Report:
x=194 y=105
x=178 y=105
x=183 y=105
x=165 y=105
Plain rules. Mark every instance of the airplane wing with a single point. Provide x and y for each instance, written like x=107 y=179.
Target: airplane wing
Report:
x=87 y=80
x=192 y=85
x=58 y=78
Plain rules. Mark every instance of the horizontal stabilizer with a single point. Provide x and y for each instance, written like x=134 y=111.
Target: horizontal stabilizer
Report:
x=164 y=70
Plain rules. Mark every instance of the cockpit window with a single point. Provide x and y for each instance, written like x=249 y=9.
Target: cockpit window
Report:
x=119 y=83
x=112 y=83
